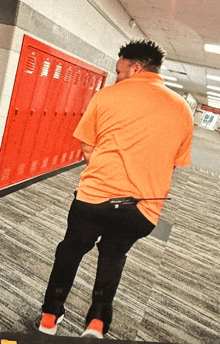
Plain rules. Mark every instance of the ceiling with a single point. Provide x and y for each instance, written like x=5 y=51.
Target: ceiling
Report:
x=182 y=27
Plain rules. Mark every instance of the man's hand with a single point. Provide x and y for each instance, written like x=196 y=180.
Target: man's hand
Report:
x=87 y=151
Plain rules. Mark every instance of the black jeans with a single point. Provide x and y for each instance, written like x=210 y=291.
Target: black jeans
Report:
x=119 y=229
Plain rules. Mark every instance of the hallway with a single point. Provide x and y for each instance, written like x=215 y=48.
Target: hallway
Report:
x=206 y=150
x=170 y=289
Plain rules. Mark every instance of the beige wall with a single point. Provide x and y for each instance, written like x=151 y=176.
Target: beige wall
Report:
x=81 y=19
x=9 y=60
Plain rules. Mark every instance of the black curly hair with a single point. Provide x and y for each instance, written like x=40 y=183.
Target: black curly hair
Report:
x=148 y=53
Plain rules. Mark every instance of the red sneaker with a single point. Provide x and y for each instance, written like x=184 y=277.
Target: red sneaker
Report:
x=49 y=323
x=94 y=330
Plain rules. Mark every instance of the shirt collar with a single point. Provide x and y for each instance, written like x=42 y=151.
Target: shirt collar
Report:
x=148 y=76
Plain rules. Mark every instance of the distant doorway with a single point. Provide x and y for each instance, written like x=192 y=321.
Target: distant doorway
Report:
x=209 y=121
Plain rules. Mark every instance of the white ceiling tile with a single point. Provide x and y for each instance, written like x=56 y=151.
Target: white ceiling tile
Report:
x=182 y=27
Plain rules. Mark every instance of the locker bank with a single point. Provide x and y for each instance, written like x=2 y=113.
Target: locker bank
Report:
x=50 y=94
x=48 y=75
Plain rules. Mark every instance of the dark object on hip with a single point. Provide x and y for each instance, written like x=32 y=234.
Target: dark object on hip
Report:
x=123 y=201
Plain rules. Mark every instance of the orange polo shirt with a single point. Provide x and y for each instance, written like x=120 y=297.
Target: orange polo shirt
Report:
x=140 y=130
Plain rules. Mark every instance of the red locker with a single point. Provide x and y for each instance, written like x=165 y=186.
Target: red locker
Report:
x=51 y=93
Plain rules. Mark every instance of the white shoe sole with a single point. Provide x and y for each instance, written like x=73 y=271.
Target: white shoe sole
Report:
x=92 y=334
x=52 y=331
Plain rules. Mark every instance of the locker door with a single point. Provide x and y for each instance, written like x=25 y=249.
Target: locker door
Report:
x=41 y=152
x=66 y=144
x=56 y=115
x=62 y=117
x=17 y=120
x=92 y=85
x=83 y=88
x=27 y=166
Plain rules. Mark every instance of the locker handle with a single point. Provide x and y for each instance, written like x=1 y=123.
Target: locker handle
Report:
x=45 y=112
x=65 y=113
x=16 y=111
x=56 y=113
x=74 y=113
x=32 y=112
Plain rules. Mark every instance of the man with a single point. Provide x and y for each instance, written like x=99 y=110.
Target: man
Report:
x=133 y=135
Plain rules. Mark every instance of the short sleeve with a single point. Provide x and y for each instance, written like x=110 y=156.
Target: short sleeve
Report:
x=183 y=156
x=86 y=129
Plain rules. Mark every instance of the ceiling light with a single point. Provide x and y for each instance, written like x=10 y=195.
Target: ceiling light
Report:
x=214 y=101
x=212 y=97
x=213 y=93
x=214 y=105
x=212 y=48
x=168 y=77
x=213 y=88
x=213 y=77
x=173 y=85
x=210 y=101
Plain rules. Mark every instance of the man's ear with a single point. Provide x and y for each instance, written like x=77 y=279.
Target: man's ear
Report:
x=137 y=67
